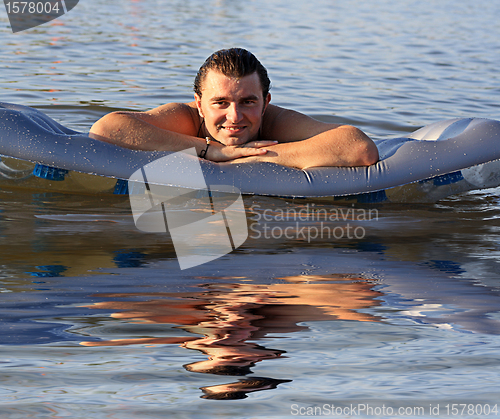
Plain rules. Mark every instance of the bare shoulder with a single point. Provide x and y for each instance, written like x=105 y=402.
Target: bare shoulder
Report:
x=286 y=125
x=176 y=108
x=179 y=117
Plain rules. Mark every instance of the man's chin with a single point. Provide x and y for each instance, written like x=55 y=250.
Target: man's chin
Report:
x=232 y=141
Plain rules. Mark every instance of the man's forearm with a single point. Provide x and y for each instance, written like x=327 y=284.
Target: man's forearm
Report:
x=343 y=146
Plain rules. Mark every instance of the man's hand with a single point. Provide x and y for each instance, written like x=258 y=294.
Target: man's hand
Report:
x=220 y=153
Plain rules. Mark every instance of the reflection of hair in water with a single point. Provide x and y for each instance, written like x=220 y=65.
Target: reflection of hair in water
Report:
x=236 y=367
x=239 y=390
x=237 y=370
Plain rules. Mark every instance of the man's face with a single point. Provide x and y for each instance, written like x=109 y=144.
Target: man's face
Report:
x=232 y=108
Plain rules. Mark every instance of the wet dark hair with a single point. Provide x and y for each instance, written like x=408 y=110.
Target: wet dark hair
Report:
x=224 y=369
x=233 y=62
x=241 y=389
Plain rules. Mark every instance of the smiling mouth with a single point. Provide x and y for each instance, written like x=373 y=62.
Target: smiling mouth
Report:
x=233 y=129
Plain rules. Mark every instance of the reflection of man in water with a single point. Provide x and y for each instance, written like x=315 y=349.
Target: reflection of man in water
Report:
x=225 y=340
x=231 y=120
x=230 y=316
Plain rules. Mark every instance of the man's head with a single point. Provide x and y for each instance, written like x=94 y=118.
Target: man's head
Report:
x=235 y=63
x=232 y=94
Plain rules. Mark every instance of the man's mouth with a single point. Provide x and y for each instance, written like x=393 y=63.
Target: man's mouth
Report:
x=233 y=128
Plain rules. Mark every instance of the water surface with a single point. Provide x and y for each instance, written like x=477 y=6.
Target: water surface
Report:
x=98 y=320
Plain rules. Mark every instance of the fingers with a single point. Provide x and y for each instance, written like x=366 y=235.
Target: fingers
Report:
x=241 y=152
x=220 y=152
x=246 y=151
x=226 y=153
x=260 y=143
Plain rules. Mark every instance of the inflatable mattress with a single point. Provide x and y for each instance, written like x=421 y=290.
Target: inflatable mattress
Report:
x=436 y=161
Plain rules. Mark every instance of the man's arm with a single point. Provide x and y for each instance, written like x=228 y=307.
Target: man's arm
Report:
x=305 y=142
x=150 y=130
x=171 y=127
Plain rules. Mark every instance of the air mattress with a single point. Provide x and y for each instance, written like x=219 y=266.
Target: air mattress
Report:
x=436 y=161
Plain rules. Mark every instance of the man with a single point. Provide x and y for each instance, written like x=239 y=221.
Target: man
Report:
x=231 y=120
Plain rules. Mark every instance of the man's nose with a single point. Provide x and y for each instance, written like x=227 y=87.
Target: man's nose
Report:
x=234 y=113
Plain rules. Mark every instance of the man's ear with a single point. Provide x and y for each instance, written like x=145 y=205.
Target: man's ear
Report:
x=266 y=102
x=197 y=99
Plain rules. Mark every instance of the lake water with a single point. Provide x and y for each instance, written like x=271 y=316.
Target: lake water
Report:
x=401 y=319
